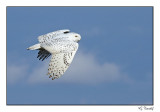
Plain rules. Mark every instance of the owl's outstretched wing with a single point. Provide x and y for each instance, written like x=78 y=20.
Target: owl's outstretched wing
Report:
x=43 y=54
x=63 y=46
x=59 y=63
x=50 y=36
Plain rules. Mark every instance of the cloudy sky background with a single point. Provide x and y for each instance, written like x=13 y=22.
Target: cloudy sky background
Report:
x=112 y=66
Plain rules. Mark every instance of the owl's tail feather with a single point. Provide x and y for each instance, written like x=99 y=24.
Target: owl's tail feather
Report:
x=34 y=47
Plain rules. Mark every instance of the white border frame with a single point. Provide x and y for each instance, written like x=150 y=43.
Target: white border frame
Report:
x=122 y=108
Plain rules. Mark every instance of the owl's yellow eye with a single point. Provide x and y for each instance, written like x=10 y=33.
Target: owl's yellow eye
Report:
x=76 y=36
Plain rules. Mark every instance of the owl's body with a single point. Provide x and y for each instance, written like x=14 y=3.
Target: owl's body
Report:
x=62 y=45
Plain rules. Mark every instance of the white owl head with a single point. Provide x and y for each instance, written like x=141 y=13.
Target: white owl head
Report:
x=73 y=36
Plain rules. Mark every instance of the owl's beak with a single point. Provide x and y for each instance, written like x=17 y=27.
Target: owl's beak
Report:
x=78 y=40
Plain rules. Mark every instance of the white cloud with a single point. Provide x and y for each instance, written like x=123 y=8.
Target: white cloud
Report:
x=85 y=69
x=39 y=73
x=16 y=73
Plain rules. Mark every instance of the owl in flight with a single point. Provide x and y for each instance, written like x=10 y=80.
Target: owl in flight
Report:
x=62 y=46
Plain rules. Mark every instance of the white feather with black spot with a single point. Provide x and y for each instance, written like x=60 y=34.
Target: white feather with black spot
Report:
x=59 y=63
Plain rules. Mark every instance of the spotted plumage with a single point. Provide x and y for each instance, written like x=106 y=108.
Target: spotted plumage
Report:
x=62 y=45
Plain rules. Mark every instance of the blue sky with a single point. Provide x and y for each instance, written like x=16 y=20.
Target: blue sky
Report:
x=113 y=64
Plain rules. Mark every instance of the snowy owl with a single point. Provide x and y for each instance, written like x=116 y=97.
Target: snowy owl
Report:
x=62 y=45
